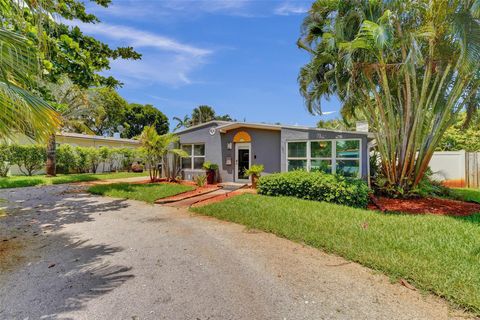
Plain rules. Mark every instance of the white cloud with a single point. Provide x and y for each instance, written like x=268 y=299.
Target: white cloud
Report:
x=164 y=59
x=290 y=8
x=139 y=39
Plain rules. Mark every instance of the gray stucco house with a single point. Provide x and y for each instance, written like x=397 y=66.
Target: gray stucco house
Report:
x=235 y=146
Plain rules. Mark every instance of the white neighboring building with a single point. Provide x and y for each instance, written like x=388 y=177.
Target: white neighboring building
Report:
x=81 y=140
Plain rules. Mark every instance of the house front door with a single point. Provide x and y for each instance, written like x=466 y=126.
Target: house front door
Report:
x=242 y=161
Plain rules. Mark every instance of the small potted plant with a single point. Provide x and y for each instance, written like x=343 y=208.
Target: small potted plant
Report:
x=211 y=169
x=255 y=171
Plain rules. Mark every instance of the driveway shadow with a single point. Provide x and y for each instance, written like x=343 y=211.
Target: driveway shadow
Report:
x=57 y=273
x=57 y=208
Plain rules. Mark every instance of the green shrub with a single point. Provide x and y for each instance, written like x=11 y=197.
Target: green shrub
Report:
x=316 y=186
x=201 y=180
x=93 y=156
x=105 y=156
x=5 y=159
x=429 y=187
x=66 y=158
x=82 y=164
x=28 y=158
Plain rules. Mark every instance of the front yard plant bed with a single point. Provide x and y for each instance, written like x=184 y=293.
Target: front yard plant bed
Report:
x=316 y=186
x=28 y=181
x=440 y=254
x=426 y=206
x=144 y=192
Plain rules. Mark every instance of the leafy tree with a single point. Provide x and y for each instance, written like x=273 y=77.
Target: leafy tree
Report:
x=28 y=158
x=409 y=67
x=107 y=111
x=29 y=35
x=64 y=51
x=456 y=139
x=138 y=116
x=64 y=48
x=71 y=103
x=461 y=137
x=156 y=149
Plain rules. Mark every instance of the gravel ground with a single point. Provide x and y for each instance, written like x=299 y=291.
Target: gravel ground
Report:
x=65 y=254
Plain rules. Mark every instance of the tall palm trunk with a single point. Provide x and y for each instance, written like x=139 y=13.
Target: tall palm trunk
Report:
x=50 y=167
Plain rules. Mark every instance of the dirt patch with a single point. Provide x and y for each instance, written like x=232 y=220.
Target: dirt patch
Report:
x=11 y=253
x=426 y=206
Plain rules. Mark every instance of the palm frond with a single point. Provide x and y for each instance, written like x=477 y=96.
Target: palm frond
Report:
x=22 y=111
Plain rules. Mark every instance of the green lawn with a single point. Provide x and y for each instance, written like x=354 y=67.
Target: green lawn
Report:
x=435 y=253
x=465 y=194
x=143 y=192
x=24 y=181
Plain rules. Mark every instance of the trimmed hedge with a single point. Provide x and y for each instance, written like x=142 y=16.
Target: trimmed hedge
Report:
x=316 y=186
x=31 y=158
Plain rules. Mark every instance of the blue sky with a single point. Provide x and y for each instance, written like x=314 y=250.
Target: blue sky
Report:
x=238 y=56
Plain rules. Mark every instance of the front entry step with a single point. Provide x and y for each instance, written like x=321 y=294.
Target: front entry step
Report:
x=190 y=201
x=232 y=186
x=187 y=195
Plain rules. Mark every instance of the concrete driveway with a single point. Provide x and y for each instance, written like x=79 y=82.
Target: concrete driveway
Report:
x=65 y=254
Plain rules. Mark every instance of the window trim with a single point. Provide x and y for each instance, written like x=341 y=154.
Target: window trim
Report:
x=333 y=158
x=192 y=155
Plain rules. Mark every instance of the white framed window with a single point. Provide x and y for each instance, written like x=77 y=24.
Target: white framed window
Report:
x=297 y=155
x=195 y=158
x=340 y=156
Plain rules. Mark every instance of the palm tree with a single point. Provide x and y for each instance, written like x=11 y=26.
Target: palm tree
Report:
x=182 y=123
x=156 y=149
x=202 y=114
x=20 y=108
x=72 y=105
x=409 y=67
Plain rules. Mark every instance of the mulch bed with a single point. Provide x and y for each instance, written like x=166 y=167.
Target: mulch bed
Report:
x=425 y=206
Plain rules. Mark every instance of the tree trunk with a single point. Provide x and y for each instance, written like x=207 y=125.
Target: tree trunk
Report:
x=50 y=167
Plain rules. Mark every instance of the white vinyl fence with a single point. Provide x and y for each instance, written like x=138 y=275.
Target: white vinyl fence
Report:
x=457 y=168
